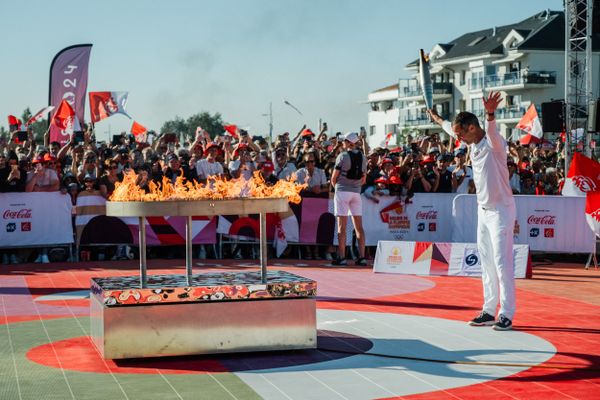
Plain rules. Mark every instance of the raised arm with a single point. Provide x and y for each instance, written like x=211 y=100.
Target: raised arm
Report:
x=446 y=125
x=496 y=141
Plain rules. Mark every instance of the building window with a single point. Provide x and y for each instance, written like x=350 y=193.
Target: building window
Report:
x=477 y=106
x=463 y=77
x=372 y=130
x=393 y=128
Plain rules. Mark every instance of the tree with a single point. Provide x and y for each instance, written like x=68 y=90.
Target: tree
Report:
x=186 y=129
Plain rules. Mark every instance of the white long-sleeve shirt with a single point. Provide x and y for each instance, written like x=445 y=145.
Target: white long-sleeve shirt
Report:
x=490 y=173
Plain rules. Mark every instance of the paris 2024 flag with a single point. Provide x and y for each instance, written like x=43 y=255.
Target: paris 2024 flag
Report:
x=530 y=123
x=105 y=104
x=592 y=211
x=583 y=176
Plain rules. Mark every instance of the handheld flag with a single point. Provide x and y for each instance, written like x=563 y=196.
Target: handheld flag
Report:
x=105 y=104
x=232 y=130
x=530 y=123
x=140 y=132
x=64 y=118
x=583 y=176
x=592 y=211
x=14 y=123
x=40 y=115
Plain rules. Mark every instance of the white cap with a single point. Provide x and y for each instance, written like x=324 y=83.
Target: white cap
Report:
x=352 y=137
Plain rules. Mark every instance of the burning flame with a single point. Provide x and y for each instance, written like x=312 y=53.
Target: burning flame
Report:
x=215 y=189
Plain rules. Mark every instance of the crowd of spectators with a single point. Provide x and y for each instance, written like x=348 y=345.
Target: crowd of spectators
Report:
x=422 y=164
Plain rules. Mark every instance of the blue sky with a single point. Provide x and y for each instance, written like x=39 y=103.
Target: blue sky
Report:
x=234 y=57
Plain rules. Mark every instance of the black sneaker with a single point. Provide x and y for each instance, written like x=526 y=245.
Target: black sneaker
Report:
x=339 y=261
x=483 y=319
x=361 y=261
x=503 y=324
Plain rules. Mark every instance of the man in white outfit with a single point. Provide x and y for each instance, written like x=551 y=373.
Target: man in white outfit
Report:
x=496 y=211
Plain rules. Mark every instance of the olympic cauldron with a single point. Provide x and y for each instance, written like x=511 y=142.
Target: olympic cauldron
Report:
x=218 y=312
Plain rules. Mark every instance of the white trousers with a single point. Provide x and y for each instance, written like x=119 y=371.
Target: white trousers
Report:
x=495 y=244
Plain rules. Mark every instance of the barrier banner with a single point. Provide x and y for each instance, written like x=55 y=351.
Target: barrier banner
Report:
x=545 y=223
x=93 y=227
x=35 y=219
x=423 y=217
x=427 y=258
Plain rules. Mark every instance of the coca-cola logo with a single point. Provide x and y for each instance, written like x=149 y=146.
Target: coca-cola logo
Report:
x=23 y=213
x=431 y=214
x=584 y=183
x=541 y=220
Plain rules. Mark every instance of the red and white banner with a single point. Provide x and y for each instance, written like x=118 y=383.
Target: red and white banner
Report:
x=105 y=104
x=35 y=219
x=530 y=123
x=583 y=176
x=65 y=119
x=423 y=218
x=592 y=211
x=433 y=258
x=545 y=223
x=68 y=81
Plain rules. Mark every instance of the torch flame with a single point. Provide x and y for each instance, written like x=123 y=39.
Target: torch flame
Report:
x=215 y=189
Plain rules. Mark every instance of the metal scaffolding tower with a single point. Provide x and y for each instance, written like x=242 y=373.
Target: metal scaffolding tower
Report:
x=578 y=76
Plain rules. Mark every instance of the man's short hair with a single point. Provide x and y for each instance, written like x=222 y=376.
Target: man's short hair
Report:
x=465 y=119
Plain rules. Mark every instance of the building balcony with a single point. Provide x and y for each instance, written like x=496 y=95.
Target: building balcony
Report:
x=440 y=90
x=508 y=113
x=515 y=80
x=421 y=122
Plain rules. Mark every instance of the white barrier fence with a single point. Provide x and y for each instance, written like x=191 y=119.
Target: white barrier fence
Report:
x=545 y=223
x=35 y=219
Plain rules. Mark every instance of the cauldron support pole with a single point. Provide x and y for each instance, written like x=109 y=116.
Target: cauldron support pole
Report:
x=142 y=245
x=188 y=249
x=263 y=247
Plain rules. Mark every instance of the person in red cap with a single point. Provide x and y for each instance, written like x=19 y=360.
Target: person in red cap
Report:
x=417 y=181
x=379 y=189
x=266 y=171
x=208 y=166
x=242 y=165
x=42 y=179
x=387 y=167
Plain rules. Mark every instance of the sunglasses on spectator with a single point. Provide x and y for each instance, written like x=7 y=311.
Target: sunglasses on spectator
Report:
x=309 y=161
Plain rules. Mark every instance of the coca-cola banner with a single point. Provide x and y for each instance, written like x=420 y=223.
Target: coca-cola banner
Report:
x=32 y=219
x=68 y=80
x=545 y=223
x=424 y=217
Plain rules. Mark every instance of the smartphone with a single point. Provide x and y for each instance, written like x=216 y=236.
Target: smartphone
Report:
x=116 y=140
x=170 y=138
x=22 y=136
x=79 y=137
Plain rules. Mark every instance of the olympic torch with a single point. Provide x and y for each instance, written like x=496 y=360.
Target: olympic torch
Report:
x=425 y=78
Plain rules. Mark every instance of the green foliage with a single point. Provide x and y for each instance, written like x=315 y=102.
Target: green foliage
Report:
x=187 y=128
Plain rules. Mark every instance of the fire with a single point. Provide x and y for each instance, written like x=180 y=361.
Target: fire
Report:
x=214 y=189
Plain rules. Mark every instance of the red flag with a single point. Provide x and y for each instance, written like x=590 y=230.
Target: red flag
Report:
x=139 y=131
x=39 y=115
x=583 y=176
x=232 y=129
x=530 y=123
x=64 y=117
x=12 y=120
x=592 y=211
x=528 y=139
x=105 y=104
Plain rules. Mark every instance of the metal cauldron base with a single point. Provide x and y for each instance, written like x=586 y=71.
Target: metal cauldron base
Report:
x=221 y=313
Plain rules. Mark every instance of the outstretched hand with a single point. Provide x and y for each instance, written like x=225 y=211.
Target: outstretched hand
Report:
x=492 y=102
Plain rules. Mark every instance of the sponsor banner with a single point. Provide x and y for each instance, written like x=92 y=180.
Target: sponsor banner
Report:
x=545 y=223
x=424 y=217
x=435 y=258
x=68 y=81
x=35 y=219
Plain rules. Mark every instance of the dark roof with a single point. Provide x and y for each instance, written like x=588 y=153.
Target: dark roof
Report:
x=542 y=31
x=385 y=89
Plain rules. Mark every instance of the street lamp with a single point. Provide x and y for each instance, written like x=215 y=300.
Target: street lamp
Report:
x=270 y=115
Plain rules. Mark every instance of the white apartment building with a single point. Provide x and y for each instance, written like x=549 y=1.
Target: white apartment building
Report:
x=524 y=61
